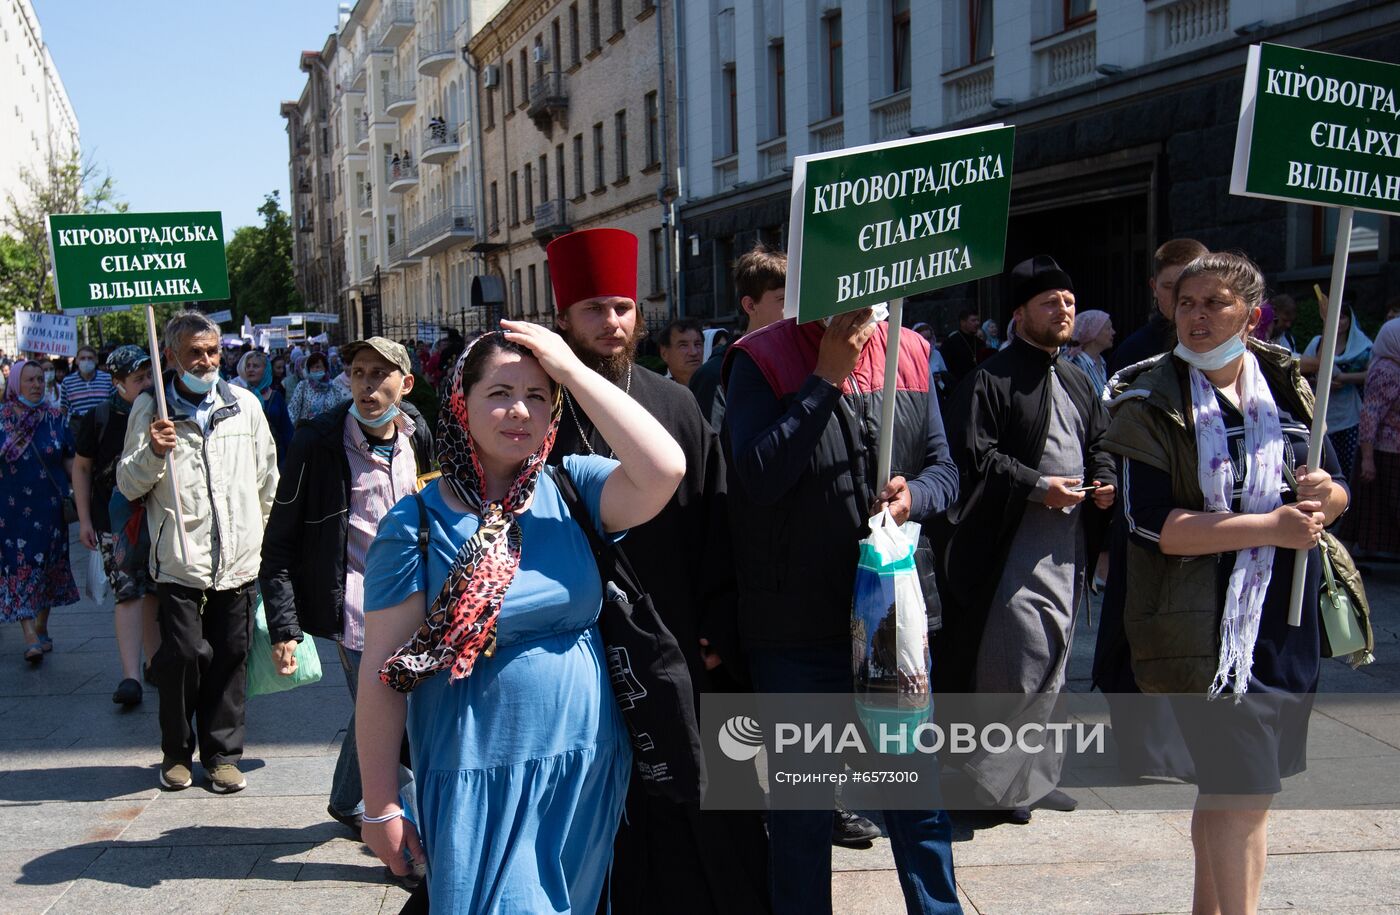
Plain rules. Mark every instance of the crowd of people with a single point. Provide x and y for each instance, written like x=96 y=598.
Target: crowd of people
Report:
x=435 y=512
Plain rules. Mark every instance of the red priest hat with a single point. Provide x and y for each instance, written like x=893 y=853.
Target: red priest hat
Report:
x=591 y=263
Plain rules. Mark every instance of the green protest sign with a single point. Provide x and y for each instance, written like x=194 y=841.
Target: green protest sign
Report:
x=881 y=222
x=1319 y=128
x=111 y=261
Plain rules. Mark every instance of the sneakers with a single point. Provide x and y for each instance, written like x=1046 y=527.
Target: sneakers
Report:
x=851 y=830
x=175 y=774
x=128 y=692
x=226 y=779
x=351 y=821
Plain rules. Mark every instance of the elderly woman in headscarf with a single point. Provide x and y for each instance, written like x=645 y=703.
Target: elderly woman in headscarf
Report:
x=1373 y=521
x=36 y=459
x=482 y=640
x=318 y=393
x=255 y=374
x=1093 y=333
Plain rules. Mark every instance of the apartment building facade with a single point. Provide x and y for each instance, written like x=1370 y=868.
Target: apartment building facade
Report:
x=1125 y=111
x=576 y=132
x=37 y=121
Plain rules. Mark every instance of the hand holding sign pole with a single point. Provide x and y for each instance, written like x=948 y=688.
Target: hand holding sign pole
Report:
x=874 y=224
x=112 y=261
x=1318 y=128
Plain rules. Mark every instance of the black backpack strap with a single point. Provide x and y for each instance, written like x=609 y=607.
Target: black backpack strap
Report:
x=423 y=533
x=612 y=562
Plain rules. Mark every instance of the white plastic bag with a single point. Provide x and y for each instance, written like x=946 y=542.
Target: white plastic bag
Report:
x=889 y=637
x=96 y=585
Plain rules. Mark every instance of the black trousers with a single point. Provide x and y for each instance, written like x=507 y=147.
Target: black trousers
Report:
x=202 y=671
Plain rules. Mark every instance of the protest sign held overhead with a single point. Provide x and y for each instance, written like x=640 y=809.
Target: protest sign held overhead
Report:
x=111 y=261
x=1319 y=128
x=880 y=222
x=55 y=335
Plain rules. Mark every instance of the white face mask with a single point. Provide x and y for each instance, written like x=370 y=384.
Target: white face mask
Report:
x=1212 y=359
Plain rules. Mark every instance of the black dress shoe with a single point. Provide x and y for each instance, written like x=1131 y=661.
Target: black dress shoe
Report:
x=351 y=821
x=1057 y=800
x=1020 y=816
x=128 y=692
x=851 y=830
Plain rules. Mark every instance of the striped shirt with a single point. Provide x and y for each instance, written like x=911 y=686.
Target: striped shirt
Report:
x=376 y=483
x=78 y=396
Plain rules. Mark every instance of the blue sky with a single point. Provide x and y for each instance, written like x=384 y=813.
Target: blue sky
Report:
x=178 y=99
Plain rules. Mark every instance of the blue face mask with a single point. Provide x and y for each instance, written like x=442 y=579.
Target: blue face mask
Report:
x=1213 y=359
x=30 y=403
x=386 y=418
x=199 y=384
x=316 y=374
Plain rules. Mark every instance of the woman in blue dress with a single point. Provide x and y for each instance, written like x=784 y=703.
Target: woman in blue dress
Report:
x=520 y=755
x=36 y=453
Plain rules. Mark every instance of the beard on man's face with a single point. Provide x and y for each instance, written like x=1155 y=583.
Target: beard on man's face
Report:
x=612 y=367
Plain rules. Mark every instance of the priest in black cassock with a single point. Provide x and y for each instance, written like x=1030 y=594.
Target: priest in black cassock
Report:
x=667 y=858
x=1024 y=429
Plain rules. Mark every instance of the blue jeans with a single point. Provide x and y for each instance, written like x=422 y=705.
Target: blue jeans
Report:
x=347 y=795
x=799 y=841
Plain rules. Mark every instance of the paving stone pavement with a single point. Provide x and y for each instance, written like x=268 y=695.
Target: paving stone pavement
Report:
x=84 y=827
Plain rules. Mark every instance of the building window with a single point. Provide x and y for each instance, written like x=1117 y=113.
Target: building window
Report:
x=573 y=34
x=620 y=131
x=777 y=78
x=1078 y=12
x=516 y=294
x=515 y=198
x=524 y=78
x=617 y=17
x=540 y=58
x=544 y=178
x=658 y=263
x=510 y=87
x=495 y=208
x=490 y=108
x=595 y=27
x=598 y=152
x=534 y=300
x=899 y=44
x=555 y=49
x=979 y=31
x=548 y=289
x=529 y=194
x=653 y=109
x=578 y=166
x=835 y=70
x=1365 y=235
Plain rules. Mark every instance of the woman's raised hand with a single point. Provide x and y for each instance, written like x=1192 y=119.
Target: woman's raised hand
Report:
x=549 y=348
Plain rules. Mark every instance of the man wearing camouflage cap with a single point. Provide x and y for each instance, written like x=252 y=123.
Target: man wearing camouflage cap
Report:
x=109 y=523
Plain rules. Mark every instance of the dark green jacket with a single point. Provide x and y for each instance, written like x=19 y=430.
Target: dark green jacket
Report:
x=1172 y=608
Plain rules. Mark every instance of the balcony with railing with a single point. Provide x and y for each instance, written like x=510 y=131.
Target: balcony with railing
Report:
x=435 y=51
x=305 y=223
x=359 y=72
x=399 y=97
x=401 y=172
x=829 y=135
x=772 y=157
x=1065 y=59
x=398 y=254
x=1178 y=26
x=441 y=141
x=552 y=219
x=726 y=172
x=549 y=97
x=303 y=141
x=968 y=90
x=303 y=183
x=445 y=228
x=891 y=116
x=394 y=24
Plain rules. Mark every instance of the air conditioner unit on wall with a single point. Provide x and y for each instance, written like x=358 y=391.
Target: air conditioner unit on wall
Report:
x=491 y=76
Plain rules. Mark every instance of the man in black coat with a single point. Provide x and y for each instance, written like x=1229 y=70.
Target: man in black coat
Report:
x=343 y=471
x=1158 y=335
x=667 y=857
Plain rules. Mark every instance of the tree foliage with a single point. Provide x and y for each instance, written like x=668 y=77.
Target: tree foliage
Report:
x=261 y=281
x=63 y=185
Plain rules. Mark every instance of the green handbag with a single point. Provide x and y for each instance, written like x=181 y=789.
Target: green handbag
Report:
x=263 y=677
x=1342 y=605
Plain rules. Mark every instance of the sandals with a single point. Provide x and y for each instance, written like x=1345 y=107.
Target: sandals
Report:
x=34 y=654
x=46 y=643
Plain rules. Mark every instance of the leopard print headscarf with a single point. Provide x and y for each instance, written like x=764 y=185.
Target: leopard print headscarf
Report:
x=461 y=623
